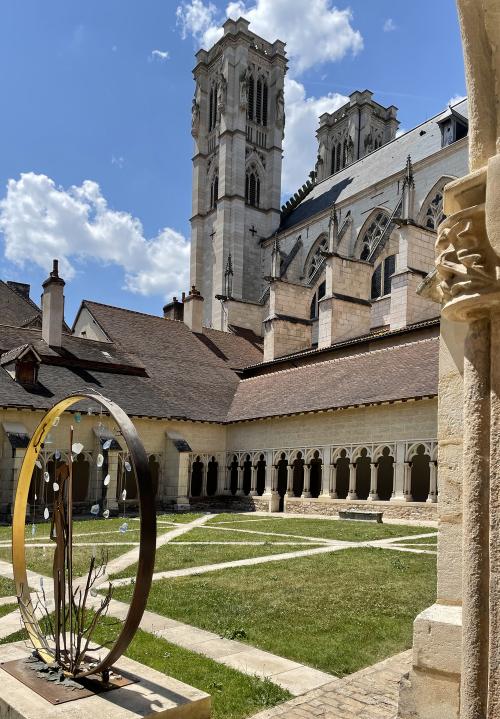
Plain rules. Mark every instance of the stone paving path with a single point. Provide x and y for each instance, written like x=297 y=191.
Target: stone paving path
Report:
x=371 y=693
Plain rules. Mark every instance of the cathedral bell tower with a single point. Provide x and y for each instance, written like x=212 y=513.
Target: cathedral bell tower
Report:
x=238 y=123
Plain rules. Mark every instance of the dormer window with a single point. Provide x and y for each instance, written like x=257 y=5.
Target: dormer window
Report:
x=453 y=128
x=22 y=363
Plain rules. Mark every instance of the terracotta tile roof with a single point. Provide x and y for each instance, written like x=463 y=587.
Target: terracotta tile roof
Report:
x=194 y=382
x=237 y=348
x=401 y=372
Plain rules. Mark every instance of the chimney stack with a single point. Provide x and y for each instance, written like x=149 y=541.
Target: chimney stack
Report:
x=174 y=310
x=193 y=310
x=53 y=307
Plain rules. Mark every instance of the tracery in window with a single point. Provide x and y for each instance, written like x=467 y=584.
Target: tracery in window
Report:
x=320 y=292
x=257 y=100
x=252 y=189
x=373 y=233
x=434 y=214
x=382 y=277
x=317 y=258
x=212 y=107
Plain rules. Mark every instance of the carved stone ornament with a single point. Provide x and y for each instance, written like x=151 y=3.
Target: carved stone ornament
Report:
x=468 y=267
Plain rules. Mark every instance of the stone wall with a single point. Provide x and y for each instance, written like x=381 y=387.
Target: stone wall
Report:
x=392 y=510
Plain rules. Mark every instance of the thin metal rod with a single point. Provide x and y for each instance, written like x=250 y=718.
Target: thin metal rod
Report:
x=69 y=545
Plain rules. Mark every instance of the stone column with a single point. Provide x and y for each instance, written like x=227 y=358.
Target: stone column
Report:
x=352 y=481
x=433 y=492
x=399 y=473
x=289 y=480
x=111 y=500
x=227 y=488
x=333 y=481
x=373 y=496
x=221 y=478
x=270 y=478
x=253 y=481
x=203 y=478
x=407 y=482
x=306 y=492
x=239 y=491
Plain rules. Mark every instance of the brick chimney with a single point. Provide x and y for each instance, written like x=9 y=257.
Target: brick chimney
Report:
x=193 y=310
x=53 y=307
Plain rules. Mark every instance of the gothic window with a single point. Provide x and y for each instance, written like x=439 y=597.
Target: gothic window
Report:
x=332 y=167
x=434 y=214
x=321 y=291
x=382 y=277
x=214 y=192
x=212 y=107
x=264 y=104
x=317 y=258
x=373 y=233
x=337 y=161
x=252 y=189
x=344 y=154
x=251 y=97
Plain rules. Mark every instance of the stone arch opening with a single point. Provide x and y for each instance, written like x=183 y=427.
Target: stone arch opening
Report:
x=212 y=476
x=81 y=479
x=315 y=475
x=282 y=480
x=342 y=475
x=233 y=475
x=420 y=475
x=261 y=475
x=298 y=475
x=196 y=477
x=363 y=463
x=385 y=475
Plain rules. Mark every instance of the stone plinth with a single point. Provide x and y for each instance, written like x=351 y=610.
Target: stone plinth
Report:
x=154 y=695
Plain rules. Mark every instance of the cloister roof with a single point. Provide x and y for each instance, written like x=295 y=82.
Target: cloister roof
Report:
x=405 y=371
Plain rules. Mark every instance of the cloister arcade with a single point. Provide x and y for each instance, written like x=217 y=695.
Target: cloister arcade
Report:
x=385 y=471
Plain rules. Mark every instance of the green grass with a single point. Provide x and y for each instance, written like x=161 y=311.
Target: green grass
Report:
x=234 y=695
x=200 y=534
x=349 y=531
x=422 y=540
x=40 y=559
x=7 y=587
x=7 y=609
x=175 y=556
x=179 y=518
x=338 y=612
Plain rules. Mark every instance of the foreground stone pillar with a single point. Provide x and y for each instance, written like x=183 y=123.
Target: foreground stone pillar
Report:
x=468 y=274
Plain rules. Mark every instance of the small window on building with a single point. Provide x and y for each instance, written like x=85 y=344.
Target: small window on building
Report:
x=382 y=277
x=214 y=192
x=252 y=189
x=320 y=292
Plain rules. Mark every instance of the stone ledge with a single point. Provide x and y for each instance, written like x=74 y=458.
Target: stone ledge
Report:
x=155 y=695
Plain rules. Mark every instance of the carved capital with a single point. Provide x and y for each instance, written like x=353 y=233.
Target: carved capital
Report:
x=468 y=268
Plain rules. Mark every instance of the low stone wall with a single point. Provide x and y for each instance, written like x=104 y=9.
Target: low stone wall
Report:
x=225 y=503
x=394 y=510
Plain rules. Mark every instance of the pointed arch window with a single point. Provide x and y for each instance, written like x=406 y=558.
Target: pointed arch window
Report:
x=319 y=294
x=373 y=233
x=212 y=107
x=382 y=277
x=252 y=189
x=433 y=213
x=317 y=259
x=214 y=192
x=251 y=97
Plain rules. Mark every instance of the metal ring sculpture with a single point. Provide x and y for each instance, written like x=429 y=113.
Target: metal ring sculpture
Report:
x=147 y=511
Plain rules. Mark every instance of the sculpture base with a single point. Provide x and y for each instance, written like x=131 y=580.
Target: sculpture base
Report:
x=148 y=693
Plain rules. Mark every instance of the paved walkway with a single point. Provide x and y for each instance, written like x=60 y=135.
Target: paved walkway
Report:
x=371 y=693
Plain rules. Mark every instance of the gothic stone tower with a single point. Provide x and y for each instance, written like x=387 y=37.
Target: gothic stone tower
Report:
x=238 y=125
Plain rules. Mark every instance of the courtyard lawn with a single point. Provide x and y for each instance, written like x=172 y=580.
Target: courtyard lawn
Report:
x=227 y=535
x=338 y=612
x=345 y=530
x=234 y=695
x=40 y=559
x=7 y=587
x=422 y=540
x=179 y=518
x=7 y=609
x=176 y=556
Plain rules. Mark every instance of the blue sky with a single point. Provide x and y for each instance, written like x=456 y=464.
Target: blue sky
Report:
x=89 y=105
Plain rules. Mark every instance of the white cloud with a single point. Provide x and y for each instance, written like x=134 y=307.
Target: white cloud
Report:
x=315 y=32
x=160 y=55
x=40 y=221
x=389 y=25
x=300 y=145
x=456 y=99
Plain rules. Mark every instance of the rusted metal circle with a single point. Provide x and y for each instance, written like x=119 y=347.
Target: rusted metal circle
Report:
x=147 y=513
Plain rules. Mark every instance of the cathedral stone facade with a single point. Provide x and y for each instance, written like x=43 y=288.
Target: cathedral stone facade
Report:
x=300 y=371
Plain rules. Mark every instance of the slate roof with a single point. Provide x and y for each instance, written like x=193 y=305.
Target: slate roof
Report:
x=420 y=142
x=395 y=373
x=14 y=308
